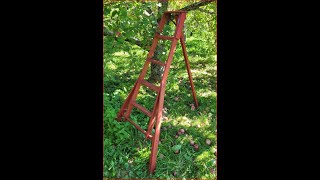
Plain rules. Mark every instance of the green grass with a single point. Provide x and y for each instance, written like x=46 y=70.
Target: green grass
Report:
x=126 y=152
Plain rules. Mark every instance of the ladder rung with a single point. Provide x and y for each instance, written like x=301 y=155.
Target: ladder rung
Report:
x=164 y=37
x=149 y=85
x=138 y=127
x=143 y=109
x=156 y=62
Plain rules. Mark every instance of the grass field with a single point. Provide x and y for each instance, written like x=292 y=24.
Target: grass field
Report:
x=126 y=152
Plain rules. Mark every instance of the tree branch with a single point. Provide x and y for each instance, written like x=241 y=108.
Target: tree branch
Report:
x=130 y=40
x=196 y=5
x=205 y=11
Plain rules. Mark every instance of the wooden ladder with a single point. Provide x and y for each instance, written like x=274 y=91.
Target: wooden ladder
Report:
x=156 y=114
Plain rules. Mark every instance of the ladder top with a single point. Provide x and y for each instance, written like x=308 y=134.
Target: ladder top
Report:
x=169 y=12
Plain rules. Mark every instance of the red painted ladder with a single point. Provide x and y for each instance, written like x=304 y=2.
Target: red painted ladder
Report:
x=156 y=114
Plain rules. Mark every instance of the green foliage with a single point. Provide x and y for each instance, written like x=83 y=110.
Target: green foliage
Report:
x=133 y=20
x=113 y=129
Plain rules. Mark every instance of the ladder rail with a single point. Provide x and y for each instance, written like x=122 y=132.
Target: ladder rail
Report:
x=155 y=138
x=165 y=74
x=186 y=60
x=155 y=39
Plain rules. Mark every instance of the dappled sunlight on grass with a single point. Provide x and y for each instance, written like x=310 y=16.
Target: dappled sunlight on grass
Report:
x=203 y=156
x=184 y=121
x=207 y=94
x=144 y=153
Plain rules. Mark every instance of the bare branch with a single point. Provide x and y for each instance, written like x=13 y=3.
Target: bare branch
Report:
x=196 y=5
x=130 y=40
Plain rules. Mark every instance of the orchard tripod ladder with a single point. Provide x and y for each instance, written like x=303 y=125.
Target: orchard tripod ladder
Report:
x=156 y=114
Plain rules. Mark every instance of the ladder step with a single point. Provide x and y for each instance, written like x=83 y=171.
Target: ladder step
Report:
x=149 y=85
x=143 y=109
x=138 y=127
x=164 y=37
x=156 y=62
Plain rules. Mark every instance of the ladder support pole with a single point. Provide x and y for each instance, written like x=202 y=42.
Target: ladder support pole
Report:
x=155 y=138
x=155 y=144
x=183 y=45
x=126 y=103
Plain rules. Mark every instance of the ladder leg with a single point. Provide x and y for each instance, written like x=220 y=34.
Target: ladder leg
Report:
x=160 y=100
x=180 y=20
x=183 y=45
x=154 y=148
x=155 y=137
x=125 y=104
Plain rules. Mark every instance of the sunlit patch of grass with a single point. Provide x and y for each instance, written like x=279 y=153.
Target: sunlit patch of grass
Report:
x=206 y=94
x=144 y=153
x=205 y=155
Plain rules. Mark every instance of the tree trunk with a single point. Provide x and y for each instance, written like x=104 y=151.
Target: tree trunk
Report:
x=157 y=70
